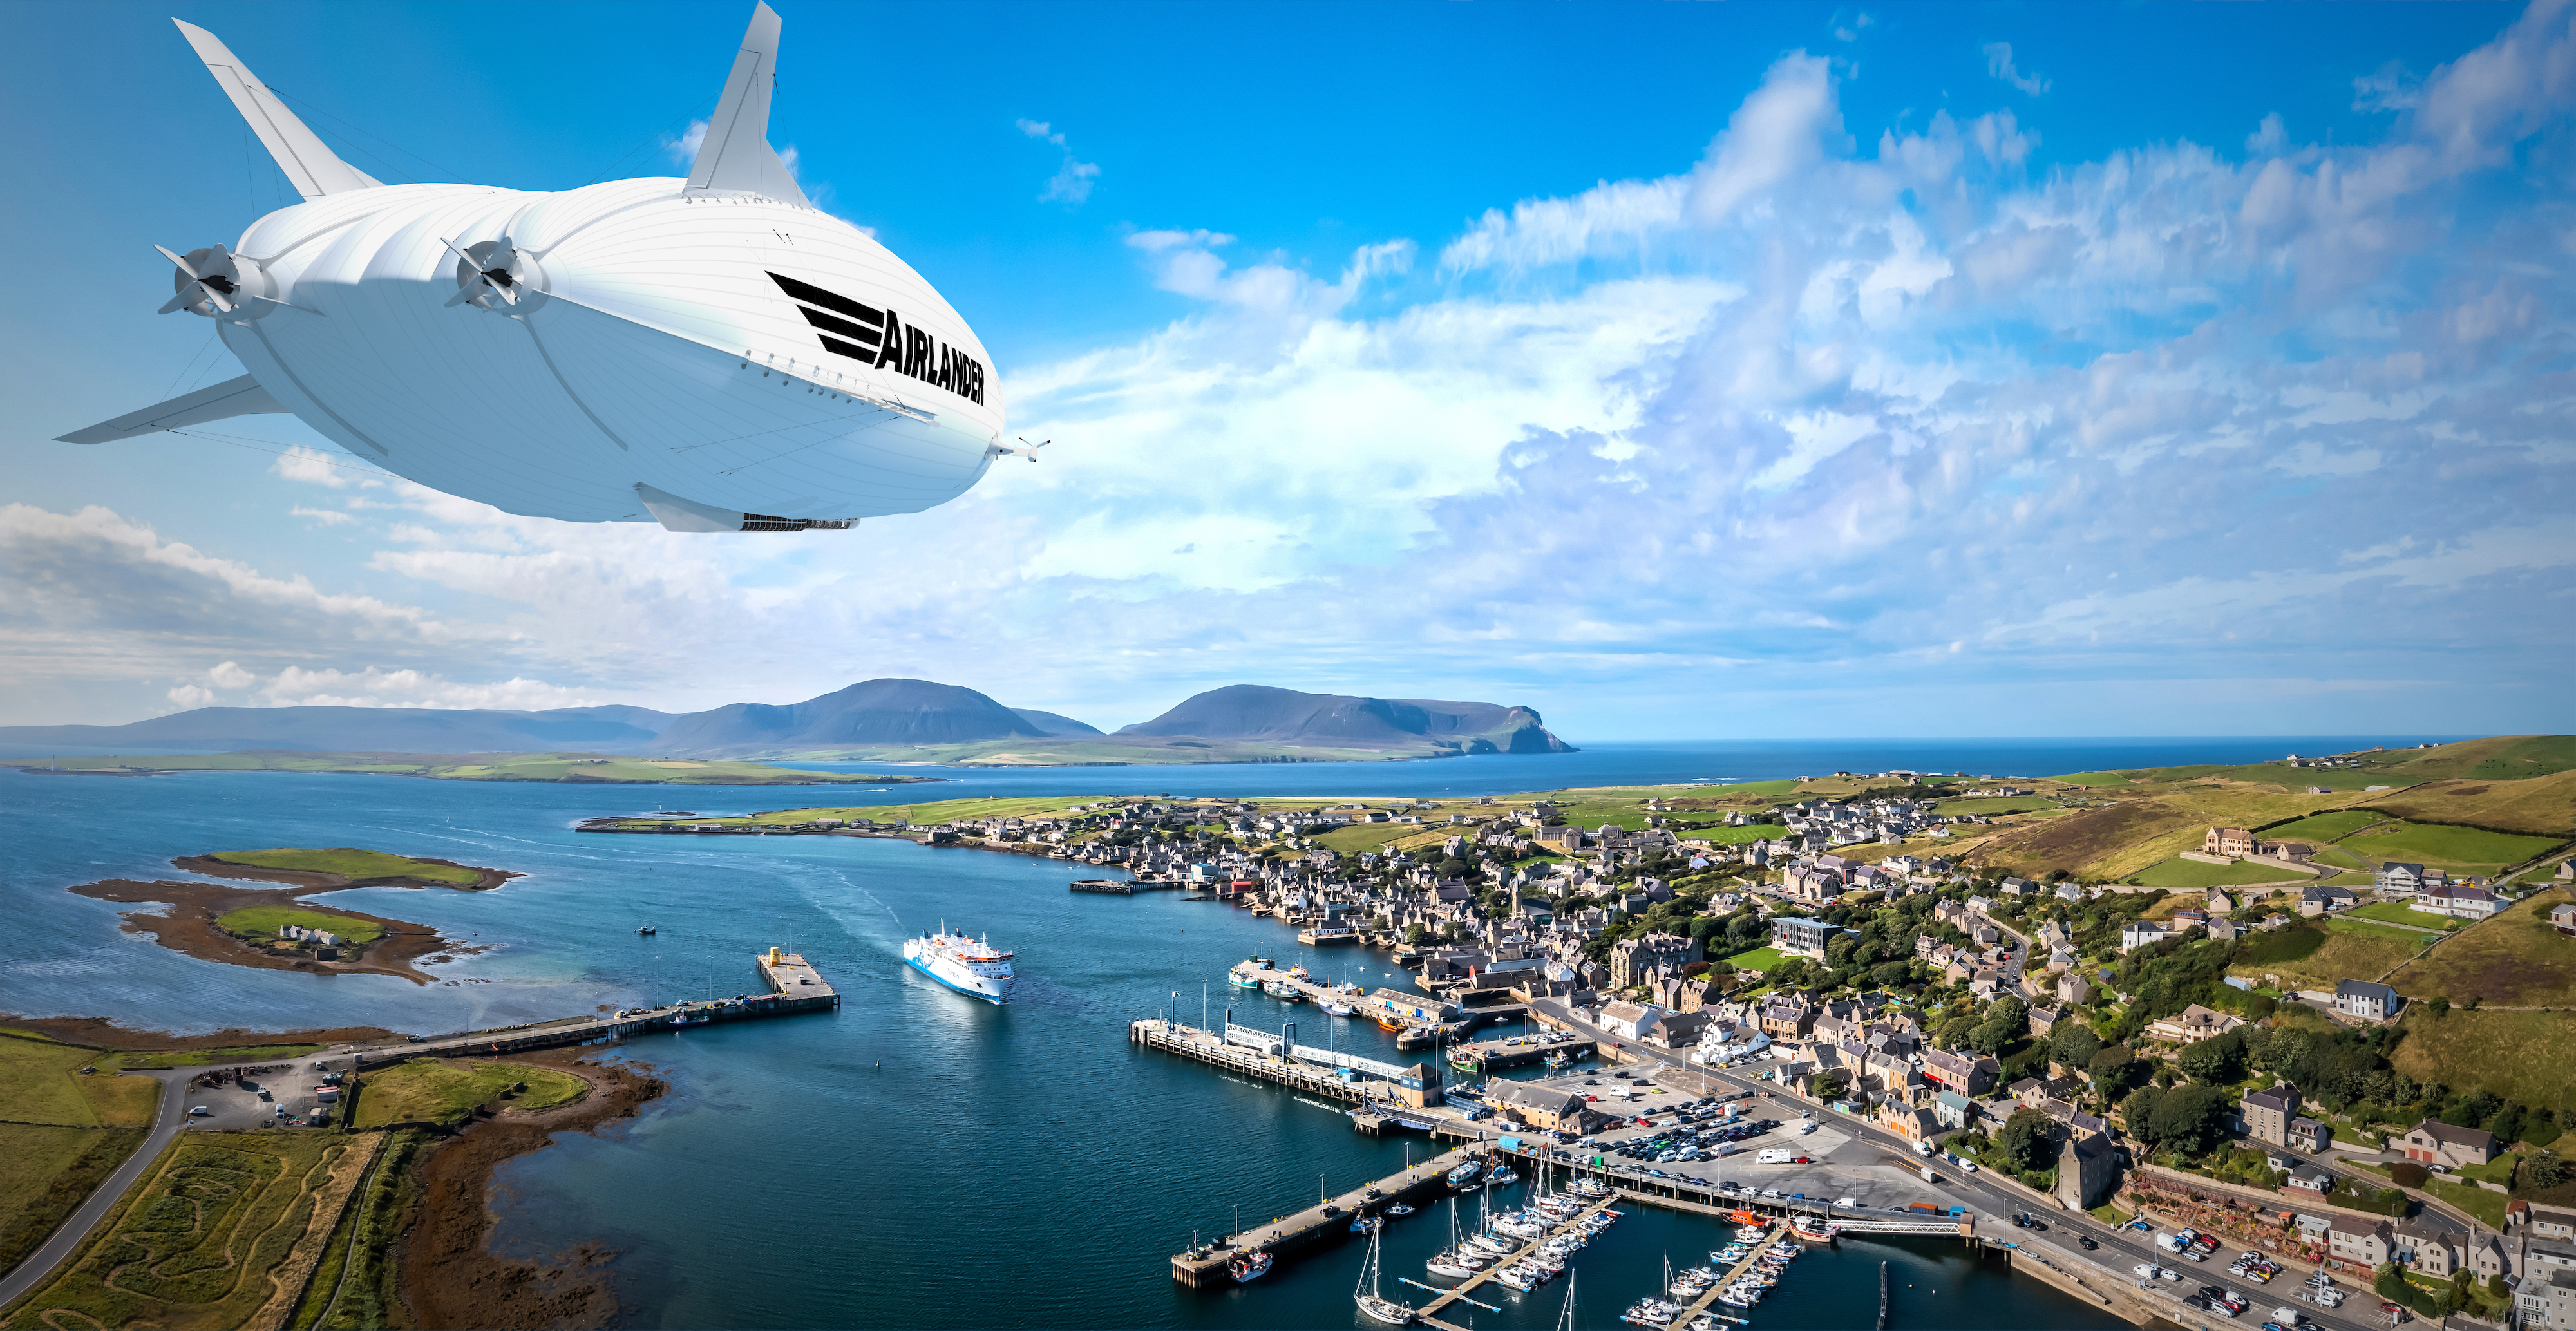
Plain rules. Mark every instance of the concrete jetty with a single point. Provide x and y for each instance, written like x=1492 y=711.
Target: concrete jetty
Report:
x=1264 y=1056
x=794 y=987
x=1205 y=1267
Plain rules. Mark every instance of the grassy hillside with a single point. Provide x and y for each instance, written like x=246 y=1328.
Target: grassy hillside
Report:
x=266 y=921
x=2495 y=758
x=2463 y=847
x=443 y=1091
x=2349 y=950
x=569 y=768
x=2513 y=960
x=2544 y=804
x=70 y=1130
x=2518 y=1055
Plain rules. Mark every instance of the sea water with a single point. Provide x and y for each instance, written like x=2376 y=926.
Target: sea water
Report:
x=919 y=1157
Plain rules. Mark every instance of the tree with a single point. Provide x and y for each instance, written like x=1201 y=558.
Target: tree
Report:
x=2547 y=1171
x=1954 y=1032
x=2408 y=1174
x=1889 y=974
x=2190 y=1118
x=2109 y=1067
x=2029 y=1140
x=1832 y=1084
x=2437 y=1005
x=2218 y=1060
x=2139 y=1112
x=2074 y=1044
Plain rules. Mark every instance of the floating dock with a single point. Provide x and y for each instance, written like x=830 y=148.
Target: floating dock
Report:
x=1205 y=1267
x=794 y=987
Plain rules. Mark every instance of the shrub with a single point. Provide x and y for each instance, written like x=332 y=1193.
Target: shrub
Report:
x=2408 y=1174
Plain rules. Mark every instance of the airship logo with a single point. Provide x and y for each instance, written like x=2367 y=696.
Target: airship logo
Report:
x=536 y=352
x=879 y=339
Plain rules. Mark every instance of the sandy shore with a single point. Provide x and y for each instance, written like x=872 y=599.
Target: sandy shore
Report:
x=450 y=1276
x=189 y=925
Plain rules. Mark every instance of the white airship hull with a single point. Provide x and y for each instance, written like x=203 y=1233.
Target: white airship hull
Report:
x=674 y=359
x=711 y=353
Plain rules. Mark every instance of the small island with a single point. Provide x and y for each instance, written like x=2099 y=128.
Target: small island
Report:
x=274 y=929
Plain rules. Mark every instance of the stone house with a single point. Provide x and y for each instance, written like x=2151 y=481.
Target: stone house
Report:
x=2088 y=1170
x=2433 y=1142
x=2227 y=841
x=2426 y=1249
x=2268 y=1113
x=2359 y=1239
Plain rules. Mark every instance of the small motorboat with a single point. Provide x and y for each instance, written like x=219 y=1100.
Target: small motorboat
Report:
x=1504 y=1177
x=1249 y=1267
x=1399 y=1209
x=1365 y=1224
x=644 y=929
x=1387 y=1021
x=1337 y=1009
x=1465 y=1174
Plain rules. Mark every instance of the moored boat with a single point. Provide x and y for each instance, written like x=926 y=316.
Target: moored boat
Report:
x=1249 y=1267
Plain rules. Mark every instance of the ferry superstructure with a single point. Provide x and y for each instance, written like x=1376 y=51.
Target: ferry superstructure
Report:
x=970 y=966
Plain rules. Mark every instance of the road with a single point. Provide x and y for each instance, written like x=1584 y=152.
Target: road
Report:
x=166 y=1124
x=2120 y=1249
x=235 y=1109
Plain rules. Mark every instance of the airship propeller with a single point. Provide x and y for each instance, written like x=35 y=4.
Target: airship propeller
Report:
x=208 y=278
x=1026 y=450
x=495 y=275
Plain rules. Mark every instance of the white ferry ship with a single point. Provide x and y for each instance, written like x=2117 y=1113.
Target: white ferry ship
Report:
x=967 y=965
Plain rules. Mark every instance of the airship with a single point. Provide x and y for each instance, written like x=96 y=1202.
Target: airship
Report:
x=714 y=354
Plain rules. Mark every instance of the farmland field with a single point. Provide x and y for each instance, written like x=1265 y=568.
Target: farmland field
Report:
x=2514 y=960
x=2182 y=873
x=2434 y=844
x=2542 y=804
x=220 y=1234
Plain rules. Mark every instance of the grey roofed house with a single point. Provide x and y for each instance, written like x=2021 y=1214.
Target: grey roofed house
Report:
x=2367 y=999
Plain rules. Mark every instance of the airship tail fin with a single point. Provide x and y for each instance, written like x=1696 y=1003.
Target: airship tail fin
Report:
x=735 y=157
x=232 y=397
x=314 y=169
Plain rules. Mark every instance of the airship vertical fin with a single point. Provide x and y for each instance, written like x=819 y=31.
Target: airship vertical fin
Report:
x=735 y=156
x=314 y=169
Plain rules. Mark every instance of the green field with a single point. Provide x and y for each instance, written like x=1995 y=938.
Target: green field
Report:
x=2352 y=950
x=1994 y=805
x=268 y=920
x=444 y=1091
x=2094 y=779
x=41 y=1082
x=207 y=1238
x=46 y=1172
x=2518 y=1055
x=2462 y=846
x=2188 y=874
x=350 y=863
x=2318 y=829
x=2398 y=912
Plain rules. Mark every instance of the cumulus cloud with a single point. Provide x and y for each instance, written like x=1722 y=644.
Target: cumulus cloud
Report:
x=1071 y=184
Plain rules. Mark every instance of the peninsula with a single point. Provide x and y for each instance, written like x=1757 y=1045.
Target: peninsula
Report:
x=276 y=929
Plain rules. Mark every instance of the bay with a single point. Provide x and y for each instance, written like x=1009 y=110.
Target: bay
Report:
x=916 y=1158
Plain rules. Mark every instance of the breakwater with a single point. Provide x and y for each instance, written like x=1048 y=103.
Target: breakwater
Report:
x=794 y=987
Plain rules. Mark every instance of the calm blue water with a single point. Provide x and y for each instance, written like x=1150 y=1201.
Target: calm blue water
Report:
x=916 y=1154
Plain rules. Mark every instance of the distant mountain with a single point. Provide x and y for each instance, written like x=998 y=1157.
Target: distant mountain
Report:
x=875 y=713
x=1257 y=713
x=375 y=729
x=908 y=720
x=1054 y=724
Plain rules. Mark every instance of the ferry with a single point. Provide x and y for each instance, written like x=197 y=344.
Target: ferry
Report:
x=968 y=965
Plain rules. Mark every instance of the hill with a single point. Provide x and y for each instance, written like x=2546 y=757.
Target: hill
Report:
x=363 y=729
x=1053 y=724
x=2542 y=804
x=1252 y=712
x=872 y=714
x=567 y=768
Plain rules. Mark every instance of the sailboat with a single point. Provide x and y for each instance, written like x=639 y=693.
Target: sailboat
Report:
x=1378 y=1307
x=1449 y=1261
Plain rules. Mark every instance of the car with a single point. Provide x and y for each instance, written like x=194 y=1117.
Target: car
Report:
x=281 y=1111
x=417 y=1039
x=2273 y=1326
x=2089 y=1245
x=1331 y=1211
x=264 y=1095
x=1800 y=1160
x=1773 y=1193
x=1847 y=1201
x=2168 y=1273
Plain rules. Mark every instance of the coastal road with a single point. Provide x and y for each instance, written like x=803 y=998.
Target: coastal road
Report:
x=2120 y=1249
x=166 y=1124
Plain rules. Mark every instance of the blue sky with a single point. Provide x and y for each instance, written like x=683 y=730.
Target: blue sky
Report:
x=1678 y=370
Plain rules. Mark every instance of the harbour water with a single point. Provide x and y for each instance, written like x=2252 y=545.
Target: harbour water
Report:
x=918 y=1158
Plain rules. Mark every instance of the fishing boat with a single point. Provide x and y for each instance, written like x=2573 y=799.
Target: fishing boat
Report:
x=1375 y=1306
x=1814 y=1232
x=1557 y=1061
x=1249 y=1267
x=1283 y=991
x=1466 y=1062
x=1241 y=978
x=1337 y=1009
x=1388 y=1021
x=1297 y=973
x=1465 y=1174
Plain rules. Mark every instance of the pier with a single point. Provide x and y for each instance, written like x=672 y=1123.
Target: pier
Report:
x=794 y=987
x=1205 y=1267
x=1258 y=1054
x=1124 y=887
x=1751 y=1259
x=1429 y=1312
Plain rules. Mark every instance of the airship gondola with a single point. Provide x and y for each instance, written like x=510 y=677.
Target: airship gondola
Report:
x=714 y=353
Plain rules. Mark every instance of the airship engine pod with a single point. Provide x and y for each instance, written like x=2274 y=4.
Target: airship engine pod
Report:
x=714 y=353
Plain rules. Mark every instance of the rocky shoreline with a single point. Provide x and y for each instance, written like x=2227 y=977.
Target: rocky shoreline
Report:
x=188 y=927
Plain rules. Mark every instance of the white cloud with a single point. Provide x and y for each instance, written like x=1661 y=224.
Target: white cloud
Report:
x=1999 y=64
x=328 y=517
x=1071 y=184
